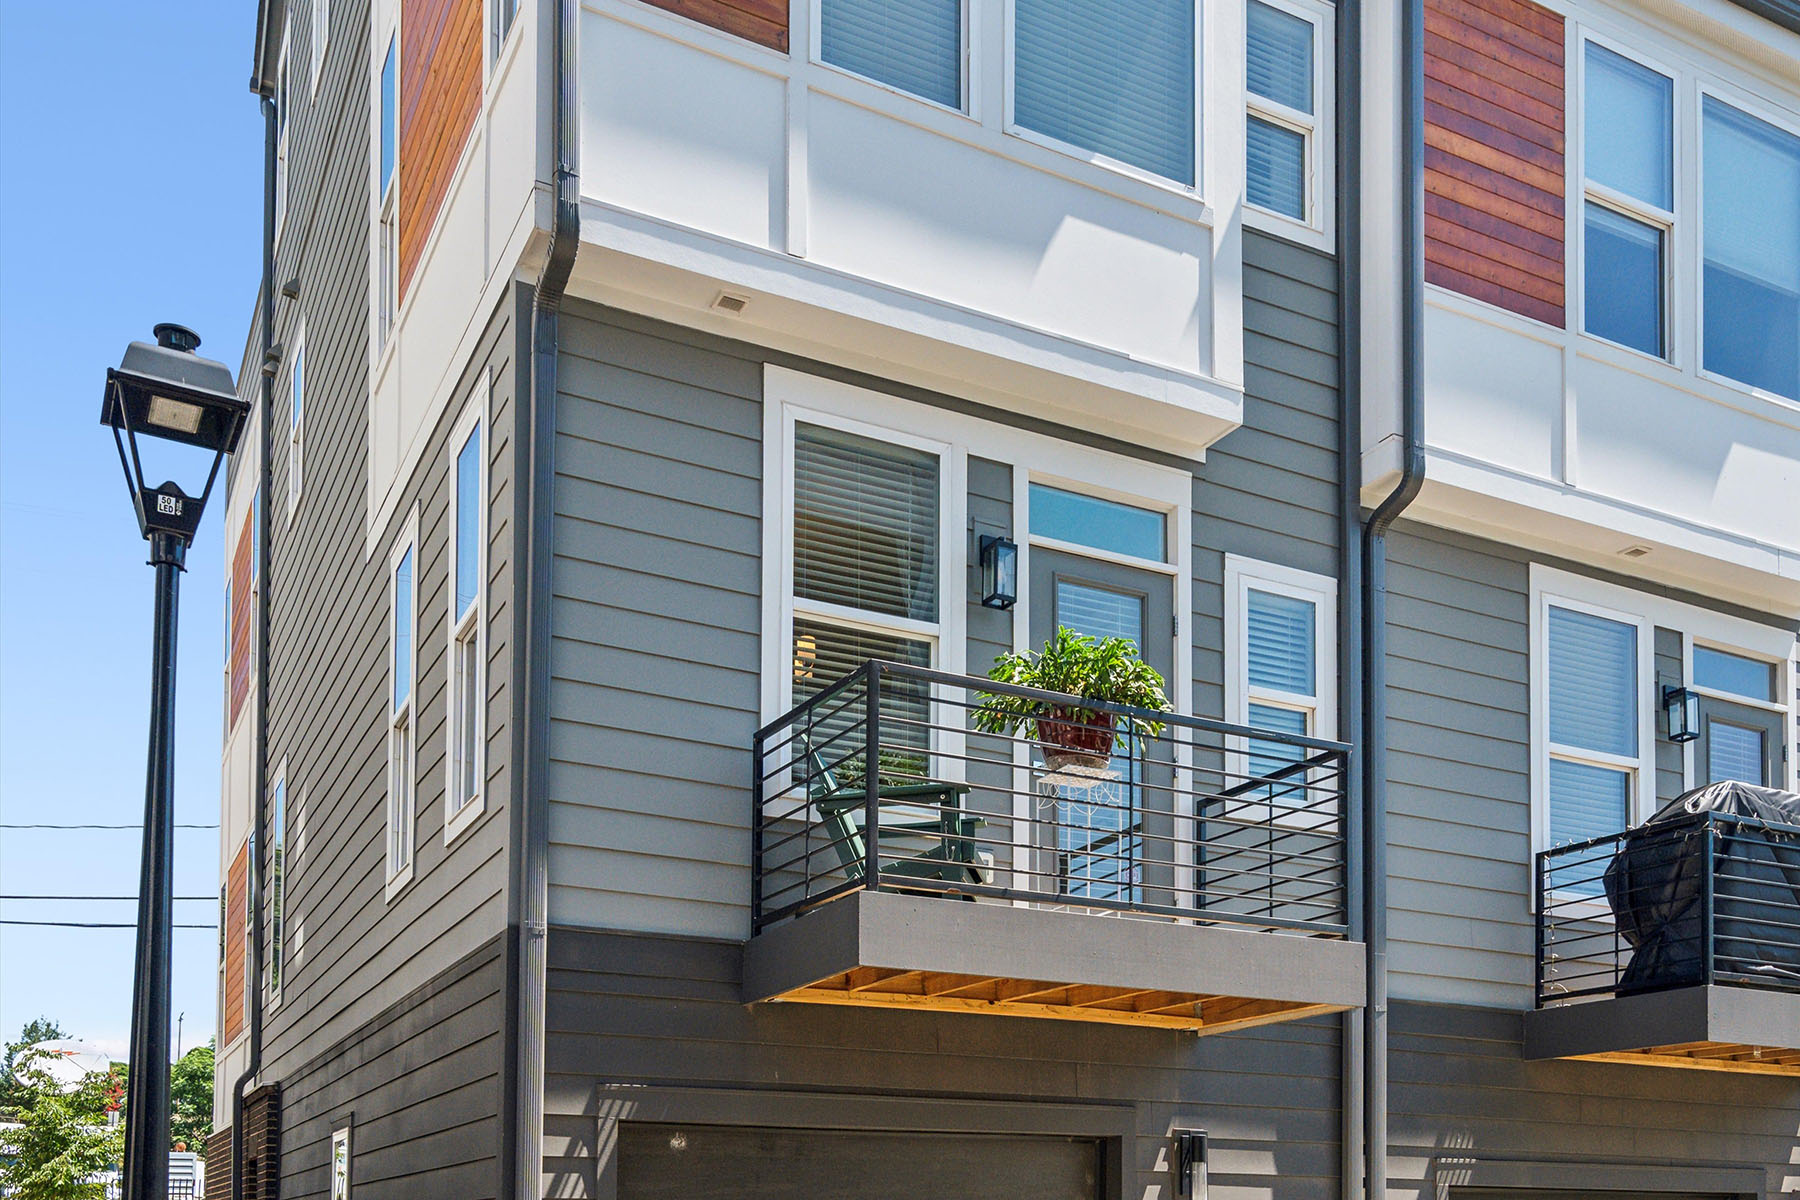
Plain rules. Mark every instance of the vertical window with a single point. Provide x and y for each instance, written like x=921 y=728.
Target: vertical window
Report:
x=296 y=418
x=1628 y=148
x=1282 y=667
x=283 y=97
x=1593 y=707
x=387 y=249
x=403 y=599
x=1116 y=79
x=1751 y=271
x=913 y=45
x=277 y=882
x=866 y=569
x=500 y=22
x=340 y=1164
x=321 y=37
x=467 y=637
x=1281 y=129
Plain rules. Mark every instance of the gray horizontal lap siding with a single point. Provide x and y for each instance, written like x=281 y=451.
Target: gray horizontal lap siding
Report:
x=1461 y=1093
x=351 y=957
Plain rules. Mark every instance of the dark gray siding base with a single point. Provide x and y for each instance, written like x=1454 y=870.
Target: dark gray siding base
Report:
x=631 y=1012
x=419 y=1087
x=1466 y=1109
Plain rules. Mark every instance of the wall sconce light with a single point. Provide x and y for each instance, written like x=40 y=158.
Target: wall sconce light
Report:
x=1190 y=1163
x=999 y=571
x=1682 y=708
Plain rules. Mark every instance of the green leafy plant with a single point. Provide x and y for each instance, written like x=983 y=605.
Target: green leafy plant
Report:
x=57 y=1142
x=1106 y=670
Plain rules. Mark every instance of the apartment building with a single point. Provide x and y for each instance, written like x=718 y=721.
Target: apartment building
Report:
x=670 y=411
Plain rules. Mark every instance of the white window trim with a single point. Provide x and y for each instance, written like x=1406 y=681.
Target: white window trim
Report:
x=321 y=38
x=1647 y=612
x=296 y=447
x=968 y=64
x=1318 y=229
x=497 y=57
x=789 y=395
x=1587 y=191
x=384 y=322
x=472 y=624
x=277 y=928
x=340 y=1138
x=407 y=712
x=284 y=92
x=1241 y=575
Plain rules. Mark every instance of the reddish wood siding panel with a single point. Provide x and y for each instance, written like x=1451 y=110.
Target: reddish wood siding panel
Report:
x=440 y=95
x=237 y=898
x=1494 y=144
x=764 y=22
x=243 y=609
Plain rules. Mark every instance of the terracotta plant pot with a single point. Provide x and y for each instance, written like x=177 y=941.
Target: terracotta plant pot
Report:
x=1076 y=737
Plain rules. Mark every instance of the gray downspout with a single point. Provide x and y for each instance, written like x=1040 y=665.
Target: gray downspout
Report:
x=534 y=898
x=1412 y=478
x=1348 y=149
x=260 y=762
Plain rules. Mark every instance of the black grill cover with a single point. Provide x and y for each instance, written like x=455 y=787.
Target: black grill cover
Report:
x=1654 y=885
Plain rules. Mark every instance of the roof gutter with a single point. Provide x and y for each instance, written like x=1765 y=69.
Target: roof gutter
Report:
x=531 y=679
x=263 y=84
x=1374 y=593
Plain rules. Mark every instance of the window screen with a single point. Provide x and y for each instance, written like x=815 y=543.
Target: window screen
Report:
x=1117 y=79
x=914 y=45
x=865 y=524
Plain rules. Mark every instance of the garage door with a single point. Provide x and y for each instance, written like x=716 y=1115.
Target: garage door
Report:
x=714 y=1162
x=1521 y=1194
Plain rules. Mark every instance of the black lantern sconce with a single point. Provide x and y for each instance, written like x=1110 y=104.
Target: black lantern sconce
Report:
x=1190 y=1164
x=1682 y=708
x=999 y=571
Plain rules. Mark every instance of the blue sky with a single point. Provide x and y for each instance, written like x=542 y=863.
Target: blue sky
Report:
x=130 y=184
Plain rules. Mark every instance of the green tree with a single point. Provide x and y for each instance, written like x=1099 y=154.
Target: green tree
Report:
x=62 y=1141
x=191 y=1098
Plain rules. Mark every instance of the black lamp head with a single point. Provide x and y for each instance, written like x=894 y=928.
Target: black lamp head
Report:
x=165 y=390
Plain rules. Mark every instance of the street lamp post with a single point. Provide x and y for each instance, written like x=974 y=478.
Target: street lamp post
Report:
x=168 y=392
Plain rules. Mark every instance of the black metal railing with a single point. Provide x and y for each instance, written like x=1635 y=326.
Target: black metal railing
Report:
x=1201 y=819
x=1708 y=899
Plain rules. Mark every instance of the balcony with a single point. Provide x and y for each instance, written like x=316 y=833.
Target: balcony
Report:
x=1674 y=945
x=1195 y=879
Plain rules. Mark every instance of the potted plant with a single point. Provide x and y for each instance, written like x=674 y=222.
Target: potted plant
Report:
x=1108 y=670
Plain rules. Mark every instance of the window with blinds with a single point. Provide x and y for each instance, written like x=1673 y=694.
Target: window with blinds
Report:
x=1592 y=679
x=866 y=560
x=1281 y=123
x=913 y=45
x=1117 y=79
x=1281 y=653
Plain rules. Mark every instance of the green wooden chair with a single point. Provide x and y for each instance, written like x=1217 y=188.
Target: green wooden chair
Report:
x=952 y=857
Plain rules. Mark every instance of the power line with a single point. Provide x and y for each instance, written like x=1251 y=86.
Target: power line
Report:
x=23 y=896
x=134 y=825
x=96 y=923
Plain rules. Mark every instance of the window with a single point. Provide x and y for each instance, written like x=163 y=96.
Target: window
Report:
x=296 y=417
x=501 y=14
x=283 y=97
x=321 y=37
x=1751 y=271
x=865 y=556
x=1284 y=141
x=340 y=1164
x=912 y=45
x=403 y=600
x=277 y=882
x=1115 y=79
x=1734 y=674
x=387 y=250
x=467 y=634
x=1628 y=208
x=1281 y=664
x=1083 y=520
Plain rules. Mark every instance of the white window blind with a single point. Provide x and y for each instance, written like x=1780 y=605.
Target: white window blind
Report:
x=1587 y=801
x=1117 y=79
x=1629 y=154
x=1278 y=73
x=1593 y=682
x=1629 y=127
x=1279 y=63
x=1281 y=638
x=913 y=45
x=865 y=524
